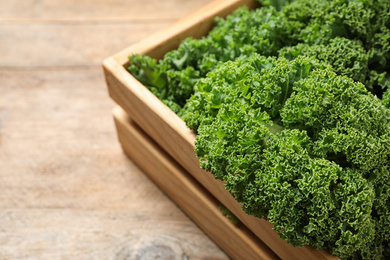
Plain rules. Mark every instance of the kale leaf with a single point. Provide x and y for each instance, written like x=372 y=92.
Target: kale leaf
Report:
x=301 y=147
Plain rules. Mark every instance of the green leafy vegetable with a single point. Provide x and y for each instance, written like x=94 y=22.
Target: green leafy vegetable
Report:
x=386 y=98
x=356 y=31
x=277 y=4
x=365 y=22
x=347 y=57
x=300 y=146
x=244 y=32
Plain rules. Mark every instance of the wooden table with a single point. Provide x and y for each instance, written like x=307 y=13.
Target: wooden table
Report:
x=66 y=189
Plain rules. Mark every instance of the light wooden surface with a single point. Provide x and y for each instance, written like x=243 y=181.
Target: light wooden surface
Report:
x=66 y=189
x=170 y=132
x=194 y=25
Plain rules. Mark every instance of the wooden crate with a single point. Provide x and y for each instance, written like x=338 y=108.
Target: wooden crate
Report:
x=170 y=133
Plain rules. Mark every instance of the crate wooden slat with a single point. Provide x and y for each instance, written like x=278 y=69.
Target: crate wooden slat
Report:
x=236 y=240
x=171 y=133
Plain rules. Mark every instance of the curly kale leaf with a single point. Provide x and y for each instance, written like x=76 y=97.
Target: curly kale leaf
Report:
x=210 y=92
x=347 y=57
x=335 y=109
x=386 y=98
x=239 y=81
x=149 y=73
x=352 y=36
x=173 y=87
x=300 y=146
x=242 y=33
x=365 y=22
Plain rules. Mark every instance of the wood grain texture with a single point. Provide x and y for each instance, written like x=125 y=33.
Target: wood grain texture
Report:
x=67 y=191
x=58 y=45
x=95 y=10
x=101 y=234
x=79 y=33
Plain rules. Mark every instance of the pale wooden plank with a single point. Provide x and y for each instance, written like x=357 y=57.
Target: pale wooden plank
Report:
x=54 y=45
x=79 y=234
x=95 y=10
x=58 y=143
x=67 y=190
x=188 y=193
x=195 y=25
